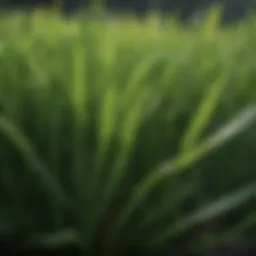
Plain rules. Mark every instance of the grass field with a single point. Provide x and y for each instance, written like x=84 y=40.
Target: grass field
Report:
x=126 y=133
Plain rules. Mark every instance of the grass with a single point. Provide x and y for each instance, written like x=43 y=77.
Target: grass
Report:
x=126 y=134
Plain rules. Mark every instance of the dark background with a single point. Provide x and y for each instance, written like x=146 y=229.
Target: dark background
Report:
x=233 y=9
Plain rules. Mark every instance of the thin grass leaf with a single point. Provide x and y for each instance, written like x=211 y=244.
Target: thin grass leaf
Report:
x=207 y=213
x=211 y=23
x=79 y=86
x=25 y=147
x=137 y=78
x=107 y=125
x=127 y=135
x=155 y=214
x=235 y=233
x=179 y=164
x=109 y=98
x=204 y=113
x=54 y=240
x=79 y=97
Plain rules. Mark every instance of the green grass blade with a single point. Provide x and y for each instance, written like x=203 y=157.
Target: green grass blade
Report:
x=179 y=164
x=207 y=213
x=201 y=119
x=39 y=168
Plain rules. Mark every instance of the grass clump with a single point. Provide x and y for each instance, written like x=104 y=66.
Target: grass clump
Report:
x=120 y=131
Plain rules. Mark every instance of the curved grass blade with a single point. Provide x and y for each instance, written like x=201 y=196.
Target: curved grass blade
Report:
x=211 y=23
x=207 y=213
x=128 y=131
x=232 y=234
x=54 y=240
x=204 y=113
x=138 y=77
x=25 y=147
x=179 y=165
x=79 y=97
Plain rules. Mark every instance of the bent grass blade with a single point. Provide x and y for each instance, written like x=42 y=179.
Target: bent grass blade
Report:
x=207 y=213
x=25 y=147
x=178 y=165
x=204 y=113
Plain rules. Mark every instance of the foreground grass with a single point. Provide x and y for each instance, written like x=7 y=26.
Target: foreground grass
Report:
x=121 y=130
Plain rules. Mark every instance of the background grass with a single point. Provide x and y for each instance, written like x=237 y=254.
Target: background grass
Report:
x=112 y=131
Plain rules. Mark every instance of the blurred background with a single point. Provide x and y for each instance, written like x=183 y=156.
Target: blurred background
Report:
x=234 y=10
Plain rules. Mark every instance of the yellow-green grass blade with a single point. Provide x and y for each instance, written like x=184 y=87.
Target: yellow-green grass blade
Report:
x=204 y=113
